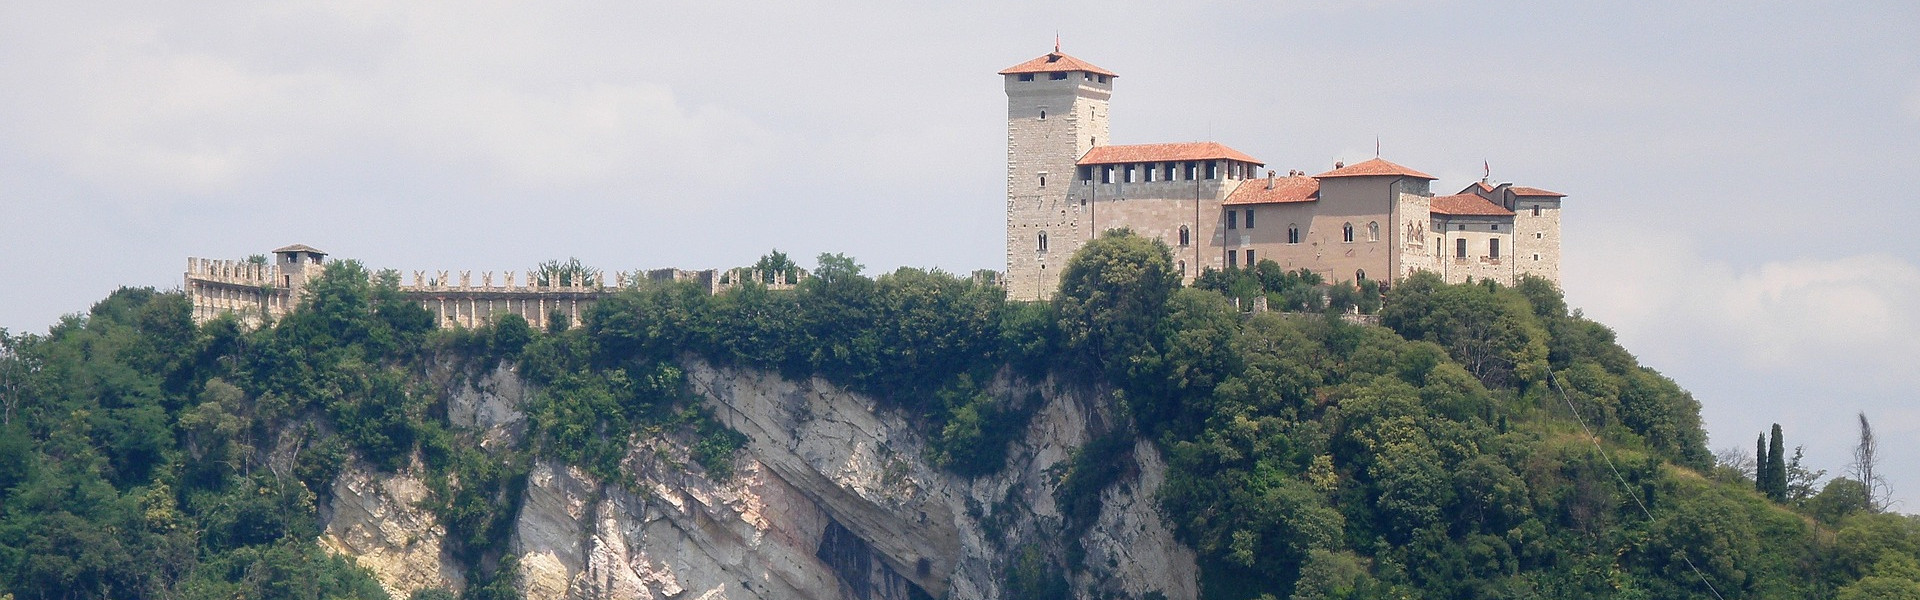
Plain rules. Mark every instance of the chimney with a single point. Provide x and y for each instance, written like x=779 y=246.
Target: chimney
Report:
x=1269 y=178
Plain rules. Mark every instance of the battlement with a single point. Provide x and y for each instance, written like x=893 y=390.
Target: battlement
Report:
x=257 y=292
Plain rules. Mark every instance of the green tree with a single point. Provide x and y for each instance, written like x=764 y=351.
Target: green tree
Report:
x=1112 y=302
x=1776 y=485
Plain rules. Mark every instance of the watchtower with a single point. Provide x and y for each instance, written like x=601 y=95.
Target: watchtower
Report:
x=1056 y=112
x=297 y=263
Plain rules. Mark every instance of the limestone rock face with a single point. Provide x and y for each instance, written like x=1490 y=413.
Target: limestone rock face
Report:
x=377 y=519
x=831 y=500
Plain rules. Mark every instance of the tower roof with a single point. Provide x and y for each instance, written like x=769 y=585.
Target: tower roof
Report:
x=1468 y=205
x=1374 y=168
x=1533 y=191
x=300 y=248
x=1055 y=61
x=1133 y=153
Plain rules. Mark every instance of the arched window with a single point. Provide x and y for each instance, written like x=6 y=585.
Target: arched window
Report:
x=1293 y=233
x=1346 y=232
x=1373 y=231
x=1185 y=236
x=1043 y=241
x=1183 y=268
x=1359 y=275
x=1043 y=114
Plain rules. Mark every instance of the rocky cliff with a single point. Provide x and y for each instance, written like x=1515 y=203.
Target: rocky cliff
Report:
x=831 y=499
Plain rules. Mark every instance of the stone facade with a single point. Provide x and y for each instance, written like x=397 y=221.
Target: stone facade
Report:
x=1214 y=209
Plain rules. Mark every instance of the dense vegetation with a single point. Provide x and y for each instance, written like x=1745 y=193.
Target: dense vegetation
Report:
x=1445 y=454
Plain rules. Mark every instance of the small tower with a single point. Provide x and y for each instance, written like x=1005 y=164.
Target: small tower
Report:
x=297 y=264
x=1056 y=112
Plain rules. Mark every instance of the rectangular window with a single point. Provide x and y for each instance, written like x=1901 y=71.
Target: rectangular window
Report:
x=1146 y=172
x=1493 y=248
x=1193 y=171
x=1536 y=210
x=1086 y=174
x=1106 y=174
x=1026 y=77
x=1460 y=248
x=1061 y=76
x=1249 y=257
x=1232 y=259
x=1213 y=170
x=1233 y=217
x=1129 y=178
x=1249 y=218
x=1169 y=174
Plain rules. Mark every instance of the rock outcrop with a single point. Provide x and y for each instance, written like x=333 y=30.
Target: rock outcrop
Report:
x=830 y=500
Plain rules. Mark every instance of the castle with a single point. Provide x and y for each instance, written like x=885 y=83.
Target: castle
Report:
x=1065 y=184
x=1215 y=208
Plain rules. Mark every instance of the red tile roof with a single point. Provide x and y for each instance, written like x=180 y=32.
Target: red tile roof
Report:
x=1055 y=61
x=1285 y=189
x=1468 y=205
x=1107 y=155
x=1374 y=168
x=1532 y=191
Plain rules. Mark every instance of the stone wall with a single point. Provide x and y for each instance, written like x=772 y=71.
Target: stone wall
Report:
x=1050 y=125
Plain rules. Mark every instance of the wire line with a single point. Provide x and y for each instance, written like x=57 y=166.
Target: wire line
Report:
x=1618 y=477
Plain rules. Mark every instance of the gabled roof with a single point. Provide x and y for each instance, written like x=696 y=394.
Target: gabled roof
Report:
x=1285 y=189
x=1375 y=168
x=1107 y=155
x=300 y=248
x=1468 y=205
x=1533 y=191
x=1055 y=61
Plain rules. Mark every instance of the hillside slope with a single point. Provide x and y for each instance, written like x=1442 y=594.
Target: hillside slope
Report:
x=906 y=436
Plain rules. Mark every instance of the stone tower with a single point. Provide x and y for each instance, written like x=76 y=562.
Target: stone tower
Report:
x=1056 y=112
x=297 y=264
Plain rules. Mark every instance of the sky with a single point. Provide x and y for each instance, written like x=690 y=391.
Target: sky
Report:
x=1740 y=176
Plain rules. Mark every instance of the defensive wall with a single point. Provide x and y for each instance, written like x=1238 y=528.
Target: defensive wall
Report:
x=258 y=292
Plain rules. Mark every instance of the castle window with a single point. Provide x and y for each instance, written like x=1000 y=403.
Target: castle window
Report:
x=1536 y=210
x=1493 y=227
x=1293 y=233
x=1103 y=79
x=1249 y=258
x=1130 y=174
x=1043 y=180
x=1193 y=171
x=1183 y=268
x=1233 y=219
x=1106 y=174
x=1460 y=248
x=1536 y=257
x=1493 y=248
x=1213 y=169
x=1460 y=227
x=1043 y=241
x=1359 y=275
x=1043 y=114
x=1026 y=77
x=1086 y=174
x=1087 y=76
x=1249 y=218
x=1233 y=259
x=1539 y=236
x=1058 y=76
x=1168 y=171
x=1346 y=232
x=1186 y=236
x=1373 y=231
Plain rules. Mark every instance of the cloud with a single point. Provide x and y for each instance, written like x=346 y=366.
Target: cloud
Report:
x=1856 y=311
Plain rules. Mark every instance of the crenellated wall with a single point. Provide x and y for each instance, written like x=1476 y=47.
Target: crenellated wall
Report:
x=256 y=292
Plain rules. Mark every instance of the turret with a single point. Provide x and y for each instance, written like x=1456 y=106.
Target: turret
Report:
x=297 y=264
x=1056 y=112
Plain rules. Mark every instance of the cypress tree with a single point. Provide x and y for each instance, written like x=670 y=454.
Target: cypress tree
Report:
x=1776 y=467
x=1760 y=464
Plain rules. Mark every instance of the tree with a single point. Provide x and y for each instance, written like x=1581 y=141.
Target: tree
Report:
x=775 y=267
x=565 y=274
x=1760 y=477
x=1112 y=300
x=1802 y=483
x=1866 y=456
x=1776 y=487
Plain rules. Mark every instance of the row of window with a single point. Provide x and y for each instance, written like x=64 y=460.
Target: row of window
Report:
x=1493 y=248
x=1169 y=171
x=1062 y=76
